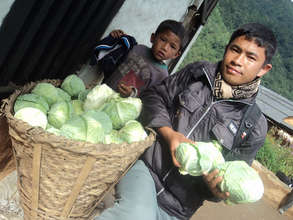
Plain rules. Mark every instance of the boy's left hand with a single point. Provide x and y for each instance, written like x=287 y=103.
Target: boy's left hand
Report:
x=124 y=90
x=117 y=33
x=212 y=181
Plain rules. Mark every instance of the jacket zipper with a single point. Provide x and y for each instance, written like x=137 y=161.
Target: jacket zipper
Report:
x=212 y=103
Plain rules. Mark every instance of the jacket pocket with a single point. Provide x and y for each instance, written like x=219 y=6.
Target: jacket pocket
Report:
x=223 y=135
x=188 y=101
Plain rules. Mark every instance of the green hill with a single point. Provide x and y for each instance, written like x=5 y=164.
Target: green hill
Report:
x=230 y=14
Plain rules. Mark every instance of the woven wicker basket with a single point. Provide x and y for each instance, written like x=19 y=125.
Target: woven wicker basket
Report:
x=59 y=178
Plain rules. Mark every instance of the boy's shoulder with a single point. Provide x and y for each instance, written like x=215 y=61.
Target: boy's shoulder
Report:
x=141 y=49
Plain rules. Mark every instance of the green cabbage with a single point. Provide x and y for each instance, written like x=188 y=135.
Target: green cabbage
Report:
x=63 y=96
x=98 y=96
x=83 y=94
x=84 y=127
x=113 y=137
x=94 y=130
x=55 y=131
x=77 y=106
x=197 y=159
x=47 y=91
x=73 y=85
x=132 y=132
x=75 y=128
x=32 y=116
x=135 y=102
x=59 y=113
x=31 y=100
x=101 y=117
x=119 y=112
x=241 y=181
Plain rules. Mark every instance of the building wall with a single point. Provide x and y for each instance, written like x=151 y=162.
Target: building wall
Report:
x=140 y=18
x=4 y=8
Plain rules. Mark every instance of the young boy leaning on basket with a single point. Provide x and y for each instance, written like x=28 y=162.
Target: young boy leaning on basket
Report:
x=198 y=103
x=144 y=66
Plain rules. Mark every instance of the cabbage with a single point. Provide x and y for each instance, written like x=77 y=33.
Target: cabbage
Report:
x=101 y=117
x=119 y=112
x=135 y=102
x=59 y=113
x=48 y=91
x=98 y=96
x=53 y=130
x=75 y=128
x=73 y=85
x=113 y=137
x=77 y=106
x=132 y=132
x=95 y=132
x=197 y=159
x=83 y=94
x=31 y=100
x=211 y=150
x=32 y=116
x=63 y=96
x=217 y=145
x=84 y=127
x=241 y=181
x=187 y=156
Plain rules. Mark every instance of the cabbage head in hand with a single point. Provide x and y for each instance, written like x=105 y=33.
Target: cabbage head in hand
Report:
x=199 y=158
x=241 y=181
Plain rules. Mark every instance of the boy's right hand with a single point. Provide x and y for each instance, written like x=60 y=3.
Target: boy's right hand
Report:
x=117 y=33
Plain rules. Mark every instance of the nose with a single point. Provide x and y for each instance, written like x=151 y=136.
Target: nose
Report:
x=238 y=59
x=165 y=46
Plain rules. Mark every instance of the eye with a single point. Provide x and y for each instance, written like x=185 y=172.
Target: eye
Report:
x=252 y=58
x=234 y=49
x=174 y=47
x=162 y=39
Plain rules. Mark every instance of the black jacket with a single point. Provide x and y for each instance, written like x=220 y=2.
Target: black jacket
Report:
x=184 y=102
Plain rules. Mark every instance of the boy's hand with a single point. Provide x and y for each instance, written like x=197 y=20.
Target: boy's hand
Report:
x=173 y=139
x=124 y=90
x=212 y=181
x=117 y=33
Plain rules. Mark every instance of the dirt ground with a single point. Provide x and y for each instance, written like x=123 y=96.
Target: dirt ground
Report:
x=260 y=210
x=265 y=209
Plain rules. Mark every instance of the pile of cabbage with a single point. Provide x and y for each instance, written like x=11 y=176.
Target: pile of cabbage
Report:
x=98 y=115
x=239 y=179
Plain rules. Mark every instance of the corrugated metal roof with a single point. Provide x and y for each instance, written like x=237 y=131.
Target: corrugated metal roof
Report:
x=274 y=106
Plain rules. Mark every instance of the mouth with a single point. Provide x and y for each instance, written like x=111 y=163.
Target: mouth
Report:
x=160 y=54
x=233 y=71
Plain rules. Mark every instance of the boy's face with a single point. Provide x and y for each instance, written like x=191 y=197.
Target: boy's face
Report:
x=166 y=45
x=243 y=62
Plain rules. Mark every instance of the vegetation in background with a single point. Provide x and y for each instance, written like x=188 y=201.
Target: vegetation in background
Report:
x=230 y=14
x=274 y=157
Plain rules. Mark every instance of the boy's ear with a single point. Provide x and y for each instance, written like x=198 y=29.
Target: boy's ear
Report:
x=153 y=36
x=264 y=70
x=177 y=54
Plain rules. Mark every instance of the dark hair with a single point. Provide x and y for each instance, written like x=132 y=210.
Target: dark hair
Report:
x=261 y=35
x=174 y=26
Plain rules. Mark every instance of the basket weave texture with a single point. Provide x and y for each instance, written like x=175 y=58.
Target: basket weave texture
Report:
x=59 y=178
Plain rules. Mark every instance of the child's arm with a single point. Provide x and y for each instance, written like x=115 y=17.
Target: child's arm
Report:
x=117 y=33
